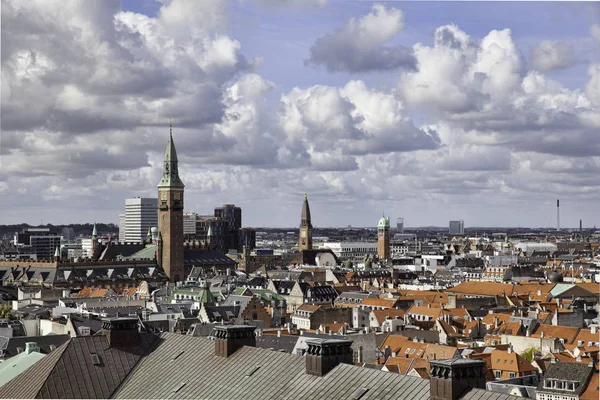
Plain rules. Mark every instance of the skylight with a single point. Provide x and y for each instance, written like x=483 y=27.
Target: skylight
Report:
x=95 y=359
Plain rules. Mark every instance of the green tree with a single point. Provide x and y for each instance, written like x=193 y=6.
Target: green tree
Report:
x=530 y=353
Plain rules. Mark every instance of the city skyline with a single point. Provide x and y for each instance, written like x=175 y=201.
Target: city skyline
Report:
x=452 y=112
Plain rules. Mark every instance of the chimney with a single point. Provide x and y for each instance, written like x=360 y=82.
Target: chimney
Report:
x=593 y=329
x=279 y=332
x=451 y=379
x=121 y=331
x=509 y=350
x=360 y=354
x=495 y=322
x=323 y=355
x=230 y=338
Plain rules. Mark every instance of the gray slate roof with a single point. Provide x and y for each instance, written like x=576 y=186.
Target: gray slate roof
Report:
x=567 y=371
x=481 y=394
x=283 y=343
x=69 y=371
x=10 y=345
x=188 y=368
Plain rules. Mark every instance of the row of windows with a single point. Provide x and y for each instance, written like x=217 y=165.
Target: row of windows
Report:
x=560 y=385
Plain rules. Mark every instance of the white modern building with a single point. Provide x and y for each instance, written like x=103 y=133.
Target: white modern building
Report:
x=353 y=251
x=189 y=223
x=122 y=227
x=400 y=225
x=457 y=227
x=141 y=213
x=86 y=247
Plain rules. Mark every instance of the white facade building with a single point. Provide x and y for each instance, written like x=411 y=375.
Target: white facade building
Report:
x=189 y=223
x=122 y=227
x=353 y=251
x=141 y=213
x=86 y=247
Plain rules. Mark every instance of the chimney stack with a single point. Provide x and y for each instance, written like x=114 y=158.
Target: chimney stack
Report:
x=121 y=331
x=453 y=378
x=580 y=226
x=323 y=355
x=230 y=338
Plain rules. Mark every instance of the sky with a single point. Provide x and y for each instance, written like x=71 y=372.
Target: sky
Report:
x=431 y=111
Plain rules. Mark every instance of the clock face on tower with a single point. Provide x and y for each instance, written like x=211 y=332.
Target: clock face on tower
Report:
x=303 y=234
x=163 y=195
x=177 y=195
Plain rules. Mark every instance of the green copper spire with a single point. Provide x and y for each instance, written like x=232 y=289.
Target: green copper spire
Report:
x=94 y=231
x=170 y=176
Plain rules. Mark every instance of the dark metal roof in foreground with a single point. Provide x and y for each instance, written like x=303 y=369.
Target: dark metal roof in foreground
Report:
x=186 y=367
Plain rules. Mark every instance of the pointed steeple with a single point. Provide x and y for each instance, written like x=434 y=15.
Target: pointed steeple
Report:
x=94 y=231
x=149 y=236
x=170 y=176
x=305 y=220
x=57 y=253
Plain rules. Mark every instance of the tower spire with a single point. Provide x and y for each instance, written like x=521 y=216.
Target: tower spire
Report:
x=170 y=176
x=305 y=239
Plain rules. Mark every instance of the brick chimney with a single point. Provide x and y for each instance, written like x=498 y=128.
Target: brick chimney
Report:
x=230 y=338
x=121 y=331
x=451 y=379
x=323 y=355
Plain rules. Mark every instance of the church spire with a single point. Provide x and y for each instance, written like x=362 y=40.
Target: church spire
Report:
x=170 y=176
x=305 y=237
x=305 y=220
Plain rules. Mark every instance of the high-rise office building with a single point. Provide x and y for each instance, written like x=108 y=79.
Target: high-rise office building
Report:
x=247 y=238
x=42 y=241
x=189 y=223
x=232 y=216
x=141 y=213
x=457 y=227
x=122 y=227
x=400 y=225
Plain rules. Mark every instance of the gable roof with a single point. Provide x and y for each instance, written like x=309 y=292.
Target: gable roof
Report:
x=63 y=371
x=372 y=302
x=381 y=315
x=253 y=373
x=567 y=371
x=512 y=362
x=568 y=333
x=482 y=288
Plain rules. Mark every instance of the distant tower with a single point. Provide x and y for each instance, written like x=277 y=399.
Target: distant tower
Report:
x=94 y=240
x=383 y=238
x=170 y=215
x=580 y=226
x=400 y=225
x=558 y=214
x=305 y=240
